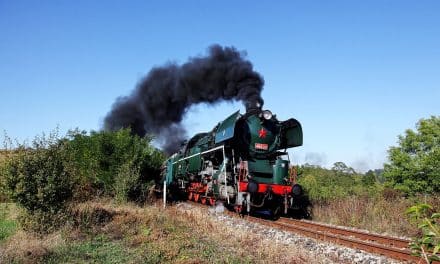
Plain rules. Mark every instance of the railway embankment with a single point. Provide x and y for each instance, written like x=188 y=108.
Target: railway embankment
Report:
x=108 y=232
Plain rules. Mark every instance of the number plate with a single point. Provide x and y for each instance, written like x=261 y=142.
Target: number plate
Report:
x=261 y=146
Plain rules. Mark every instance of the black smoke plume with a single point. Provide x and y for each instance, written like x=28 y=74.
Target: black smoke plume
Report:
x=159 y=102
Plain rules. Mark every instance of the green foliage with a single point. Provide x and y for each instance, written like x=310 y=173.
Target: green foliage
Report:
x=415 y=164
x=44 y=177
x=113 y=164
x=3 y=195
x=429 y=241
x=341 y=181
x=126 y=178
x=5 y=155
x=37 y=178
x=369 y=179
x=3 y=188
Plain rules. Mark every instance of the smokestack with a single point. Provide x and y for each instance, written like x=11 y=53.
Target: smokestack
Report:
x=159 y=102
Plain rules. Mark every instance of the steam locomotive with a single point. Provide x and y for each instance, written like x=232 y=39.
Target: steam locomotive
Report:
x=243 y=163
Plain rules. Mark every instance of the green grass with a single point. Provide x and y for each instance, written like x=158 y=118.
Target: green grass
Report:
x=95 y=250
x=8 y=226
x=176 y=248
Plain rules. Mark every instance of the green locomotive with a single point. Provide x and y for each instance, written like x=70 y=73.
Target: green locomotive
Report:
x=240 y=162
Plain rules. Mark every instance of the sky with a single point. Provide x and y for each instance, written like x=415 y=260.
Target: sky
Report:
x=356 y=74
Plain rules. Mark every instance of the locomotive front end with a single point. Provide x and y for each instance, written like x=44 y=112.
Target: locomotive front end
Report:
x=266 y=184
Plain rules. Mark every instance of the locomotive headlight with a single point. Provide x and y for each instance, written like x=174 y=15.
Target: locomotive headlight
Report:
x=267 y=114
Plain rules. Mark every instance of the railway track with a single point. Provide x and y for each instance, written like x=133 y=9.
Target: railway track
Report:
x=392 y=247
x=394 y=242
x=383 y=245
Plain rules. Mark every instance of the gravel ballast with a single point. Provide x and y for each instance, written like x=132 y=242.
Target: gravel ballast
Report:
x=328 y=251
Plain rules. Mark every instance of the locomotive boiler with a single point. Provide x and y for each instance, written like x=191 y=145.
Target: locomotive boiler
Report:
x=242 y=162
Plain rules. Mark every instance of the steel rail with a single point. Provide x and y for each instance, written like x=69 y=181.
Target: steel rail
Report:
x=392 y=247
x=329 y=236
x=360 y=234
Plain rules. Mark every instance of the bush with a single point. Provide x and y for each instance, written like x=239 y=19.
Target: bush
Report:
x=113 y=164
x=44 y=177
x=3 y=189
x=38 y=179
x=5 y=155
x=428 y=244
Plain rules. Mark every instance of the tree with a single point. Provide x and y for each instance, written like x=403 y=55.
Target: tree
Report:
x=341 y=168
x=369 y=178
x=415 y=164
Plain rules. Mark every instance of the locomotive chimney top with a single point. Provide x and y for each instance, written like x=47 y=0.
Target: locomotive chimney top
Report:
x=254 y=105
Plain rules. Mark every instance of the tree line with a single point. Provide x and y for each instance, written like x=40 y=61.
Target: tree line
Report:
x=413 y=168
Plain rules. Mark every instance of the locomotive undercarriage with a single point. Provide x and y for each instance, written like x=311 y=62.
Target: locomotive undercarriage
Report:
x=238 y=192
x=273 y=205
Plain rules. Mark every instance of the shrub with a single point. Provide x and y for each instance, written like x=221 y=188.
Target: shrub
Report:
x=429 y=241
x=3 y=189
x=38 y=179
x=113 y=164
x=44 y=177
x=5 y=155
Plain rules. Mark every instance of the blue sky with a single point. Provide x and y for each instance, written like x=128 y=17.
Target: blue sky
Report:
x=356 y=74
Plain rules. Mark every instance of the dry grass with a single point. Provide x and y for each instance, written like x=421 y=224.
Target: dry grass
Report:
x=106 y=232
x=383 y=215
x=28 y=248
x=107 y=217
x=24 y=247
x=242 y=242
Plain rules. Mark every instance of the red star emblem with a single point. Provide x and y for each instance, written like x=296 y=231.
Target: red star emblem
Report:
x=262 y=133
